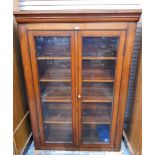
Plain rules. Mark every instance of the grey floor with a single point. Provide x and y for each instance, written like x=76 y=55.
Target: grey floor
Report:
x=124 y=151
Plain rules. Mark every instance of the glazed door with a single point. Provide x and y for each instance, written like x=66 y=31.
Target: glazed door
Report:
x=100 y=57
x=52 y=57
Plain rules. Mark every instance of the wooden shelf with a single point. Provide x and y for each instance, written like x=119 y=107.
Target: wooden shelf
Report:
x=56 y=75
x=54 y=80
x=91 y=133
x=57 y=99
x=98 y=80
x=54 y=94
x=58 y=133
x=64 y=75
x=58 y=114
x=96 y=93
x=52 y=58
x=49 y=51
x=98 y=58
x=98 y=75
x=96 y=119
x=91 y=137
x=96 y=99
x=96 y=113
x=63 y=114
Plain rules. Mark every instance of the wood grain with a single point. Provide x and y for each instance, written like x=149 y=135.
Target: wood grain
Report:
x=134 y=134
x=29 y=82
x=19 y=93
x=21 y=122
x=118 y=76
x=124 y=82
x=101 y=98
x=91 y=23
x=73 y=16
x=48 y=98
x=82 y=26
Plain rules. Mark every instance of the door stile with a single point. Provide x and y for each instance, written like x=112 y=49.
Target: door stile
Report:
x=36 y=85
x=29 y=82
x=75 y=63
x=73 y=74
x=124 y=82
x=118 y=75
x=79 y=79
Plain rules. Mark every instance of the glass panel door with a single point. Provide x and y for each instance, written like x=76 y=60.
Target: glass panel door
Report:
x=53 y=55
x=99 y=53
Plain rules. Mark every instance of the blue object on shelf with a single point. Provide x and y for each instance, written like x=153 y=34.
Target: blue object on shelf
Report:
x=103 y=132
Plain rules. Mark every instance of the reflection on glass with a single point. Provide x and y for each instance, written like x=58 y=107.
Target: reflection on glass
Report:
x=57 y=112
x=96 y=134
x=98 y=74
x=97 y=91
x=55 y=91
x=54 y=69
x=96 y=113
x=55 y=87
x=57 y=122
x=100 y=46
x=53 y=46
x=98 y=69
x=58 y=133
x=96 y=120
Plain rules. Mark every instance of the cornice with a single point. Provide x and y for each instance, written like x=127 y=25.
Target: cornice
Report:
x=77 y=16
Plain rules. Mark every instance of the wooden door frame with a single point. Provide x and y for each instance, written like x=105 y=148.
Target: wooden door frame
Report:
x=32 y=52
x=118 y=69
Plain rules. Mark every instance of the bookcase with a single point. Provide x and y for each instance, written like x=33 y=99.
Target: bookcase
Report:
x=76 y=67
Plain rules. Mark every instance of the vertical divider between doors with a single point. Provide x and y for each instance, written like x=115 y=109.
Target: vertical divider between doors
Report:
x=36 y=87
x=74 y=80
x=79 y=92
x=76 y=85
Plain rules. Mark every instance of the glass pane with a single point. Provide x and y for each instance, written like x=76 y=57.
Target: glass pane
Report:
x=54 y=70
x=57 y=122
x=55 y=91
x=58 y=133
x=100 y=46
x=98 y=69
x=53 y=46
x=53 y=60
x=96 y=113
x=57 y=112
x=98 y=75
x=97 y=91
x=96 y=134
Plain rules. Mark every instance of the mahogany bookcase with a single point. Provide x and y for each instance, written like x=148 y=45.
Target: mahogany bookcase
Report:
x=76 y=66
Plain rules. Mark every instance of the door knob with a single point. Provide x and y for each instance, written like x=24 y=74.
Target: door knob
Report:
x=79 y=96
